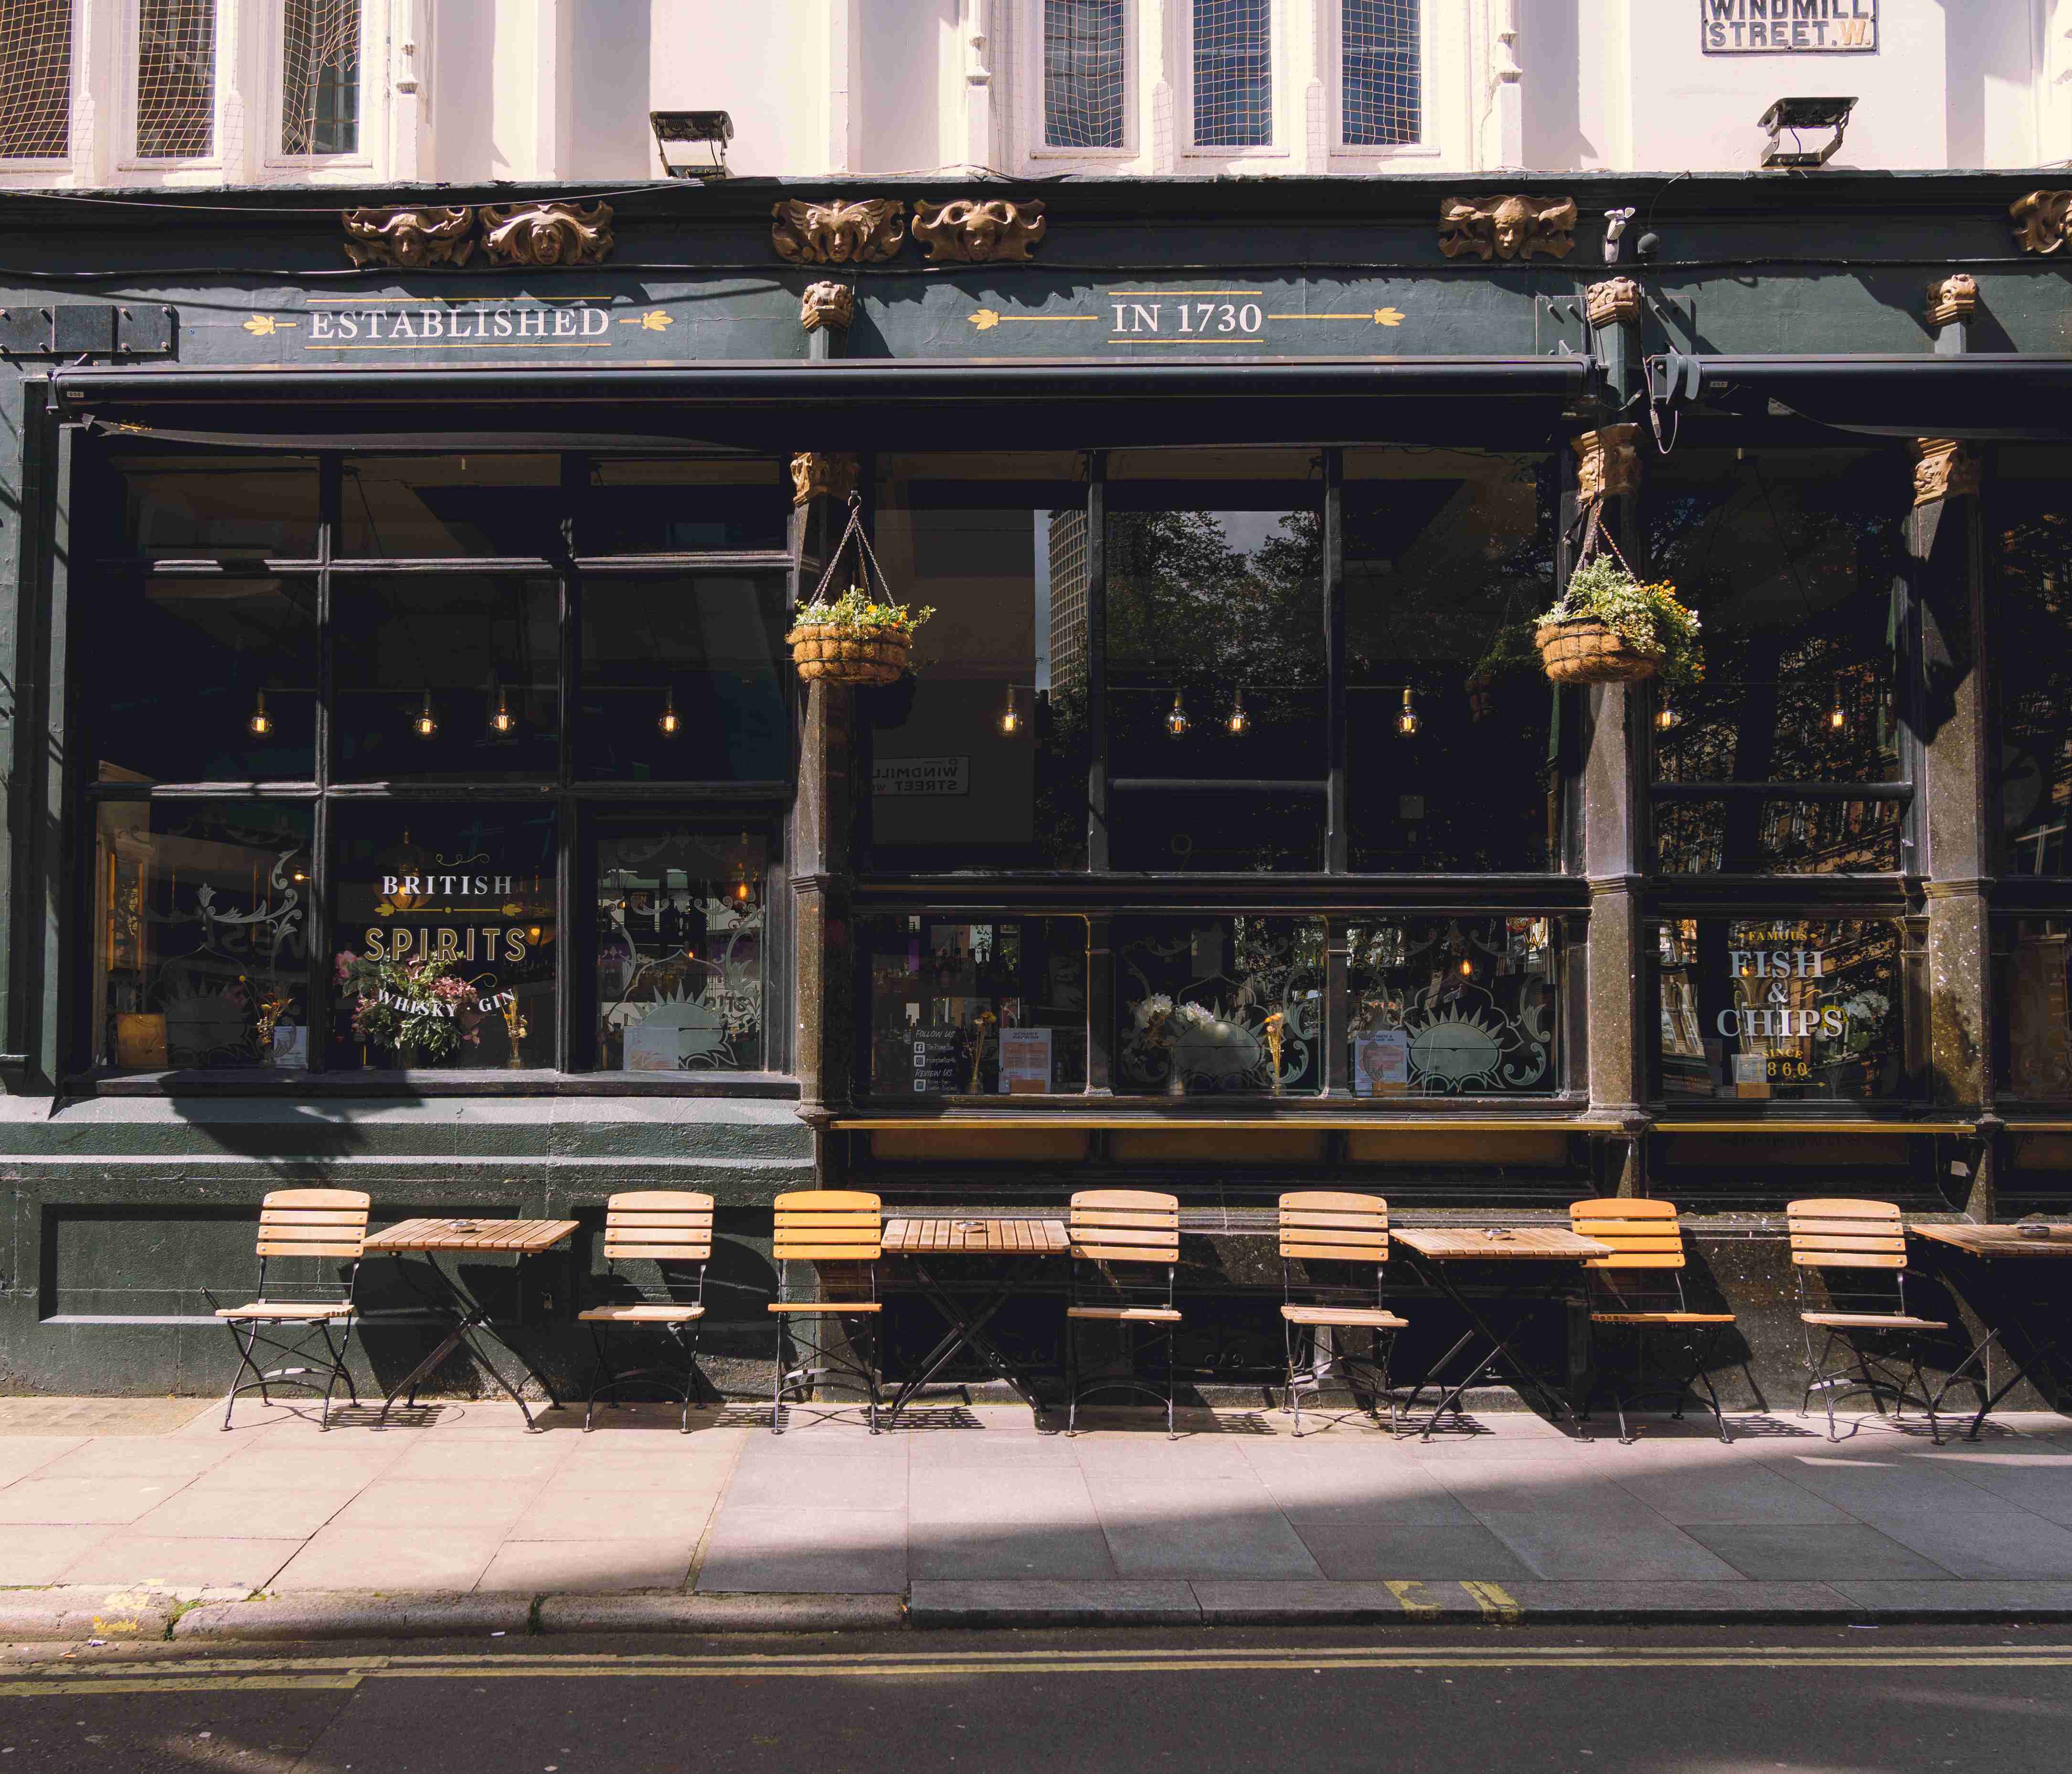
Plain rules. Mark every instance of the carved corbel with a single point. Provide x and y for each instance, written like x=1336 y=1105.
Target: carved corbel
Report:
x=867 y=232
x=815 y=475
x=1614 y=302
x=2041 y=219
x=1607 y=462
x=1507 y=227
x=541 y=235
x=1955 y=298
x=978 y=230
x=1943 y=468
x=410 y=239
x=832 y=305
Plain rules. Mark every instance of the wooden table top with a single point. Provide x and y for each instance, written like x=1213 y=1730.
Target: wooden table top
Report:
x=2000 y=1241
x=528 y=1236
x=1522 y=1244
x=912 y=1235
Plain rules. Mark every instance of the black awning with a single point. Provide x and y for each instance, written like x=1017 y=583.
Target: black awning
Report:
x=837 y=403
x=1979 y=395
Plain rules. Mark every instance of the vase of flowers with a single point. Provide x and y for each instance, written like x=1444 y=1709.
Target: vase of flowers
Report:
x=411 y=1007
x=1608 y=627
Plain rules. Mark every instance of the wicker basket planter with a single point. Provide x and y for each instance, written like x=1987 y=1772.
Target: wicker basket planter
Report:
x=834 y=654
x=1583 y=650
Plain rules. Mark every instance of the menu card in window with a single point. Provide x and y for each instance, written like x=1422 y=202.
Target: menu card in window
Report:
x=1025 y=1061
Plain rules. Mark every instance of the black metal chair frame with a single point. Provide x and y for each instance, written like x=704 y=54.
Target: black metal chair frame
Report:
x=1873 y=1374
x=844 y=1361
x=298 y=1348
x=683 y=1381
x=1119 y=1291
x=1699 y=1341
x=1297 y=1277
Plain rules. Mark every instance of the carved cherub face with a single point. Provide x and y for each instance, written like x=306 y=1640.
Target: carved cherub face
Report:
x=982 y=225
x=548 y=243
x=1511 y=226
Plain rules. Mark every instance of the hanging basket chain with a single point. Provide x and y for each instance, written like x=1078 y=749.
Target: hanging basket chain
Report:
x=834 y=653
x=865 y=560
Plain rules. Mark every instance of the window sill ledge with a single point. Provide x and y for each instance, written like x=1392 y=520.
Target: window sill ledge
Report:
x=268 y=1081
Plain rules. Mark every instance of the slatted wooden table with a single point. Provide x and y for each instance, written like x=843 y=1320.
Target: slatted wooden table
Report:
x=1435 y=1247
x=1992 y=1242
x=918 y=1236
x=467 y=1313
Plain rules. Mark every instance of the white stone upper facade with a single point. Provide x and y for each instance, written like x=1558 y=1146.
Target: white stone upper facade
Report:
x=202 y=92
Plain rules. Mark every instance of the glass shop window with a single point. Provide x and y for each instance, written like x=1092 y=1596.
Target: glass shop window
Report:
x=1449 y=751
x=216 y=680
x=446 y=928
x=1215 y=661
x=679 y=939
x=1757 y=1008
x=2032 y=993
x=1782 y=837
x=1789 y=557
x=474 y=507
x=201 y=919
x=452 y=677
x=226 y=507
x=1453 y=1006
x=2030 y=542
x=997 y=1007
x=683 y=505
x=683 y=677
x=1220 y=1006
x=978 y=758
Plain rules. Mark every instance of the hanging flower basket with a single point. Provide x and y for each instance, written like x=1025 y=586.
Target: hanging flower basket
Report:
x=1582 y=650
x=861 y=637
x=832 y=653
x=1609 y=627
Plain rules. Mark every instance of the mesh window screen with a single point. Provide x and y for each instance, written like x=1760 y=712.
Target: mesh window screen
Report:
x=1233 y=73
x=1381 y=103
x=1082 y=73
x=320 y=77
x=175 y=79
x=35 y=80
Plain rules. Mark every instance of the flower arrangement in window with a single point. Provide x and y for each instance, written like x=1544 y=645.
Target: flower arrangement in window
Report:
x=412 y=1007
x=1609 y=627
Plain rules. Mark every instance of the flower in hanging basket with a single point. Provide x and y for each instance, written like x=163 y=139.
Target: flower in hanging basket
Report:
x=1608 y=627
x=855 y=638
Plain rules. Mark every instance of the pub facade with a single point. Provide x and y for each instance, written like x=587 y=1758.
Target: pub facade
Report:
x=403 y=582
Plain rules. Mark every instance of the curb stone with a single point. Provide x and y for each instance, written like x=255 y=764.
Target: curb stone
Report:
x=95 y=1610
x=720 y=1613
x=360 y=1614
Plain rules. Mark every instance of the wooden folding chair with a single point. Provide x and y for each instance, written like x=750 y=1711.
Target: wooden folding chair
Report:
x=1640 y=1285
x=1870 y=1238
x=1138 y=1230
x=316 y=1223
x=840 y=1234
x=1333 y=1248
x=668 y=1226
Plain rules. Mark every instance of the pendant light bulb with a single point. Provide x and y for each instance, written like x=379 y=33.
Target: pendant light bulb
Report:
x=742 y=891
x=1176 y=716
x=1237 y=721
x=424 y=723
x=1467 y=968
x=502 y=720
x=1665 y=716
x=1838 y=717
x=1406 y=722
x=1010 y=717
x=669 y=722
x=261 y=723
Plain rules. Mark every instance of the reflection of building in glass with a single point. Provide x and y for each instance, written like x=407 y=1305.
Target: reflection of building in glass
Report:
x=1068 y=602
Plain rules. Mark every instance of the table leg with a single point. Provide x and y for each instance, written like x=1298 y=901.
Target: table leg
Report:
x=964 y=1332
x=2022 y=1371
x=1523 y=1379
x=472 y=1316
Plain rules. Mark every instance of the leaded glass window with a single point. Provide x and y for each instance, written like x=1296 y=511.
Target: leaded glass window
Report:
x=1381 y=98
x=1233 y=73
x=1084 y=65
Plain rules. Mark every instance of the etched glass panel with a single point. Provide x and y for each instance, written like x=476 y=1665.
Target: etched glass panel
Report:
x=1212 y=1005
x=1453 y=1007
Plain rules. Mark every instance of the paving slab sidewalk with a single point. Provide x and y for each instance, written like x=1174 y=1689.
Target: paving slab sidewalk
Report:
x=453 y=1520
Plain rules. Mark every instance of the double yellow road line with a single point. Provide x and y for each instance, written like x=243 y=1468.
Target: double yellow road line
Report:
x=227 y=1675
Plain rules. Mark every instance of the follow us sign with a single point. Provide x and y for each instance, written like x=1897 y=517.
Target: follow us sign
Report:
x=1801 y=28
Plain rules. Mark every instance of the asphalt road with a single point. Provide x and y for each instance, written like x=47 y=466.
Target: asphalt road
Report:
x=1691 y=1700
